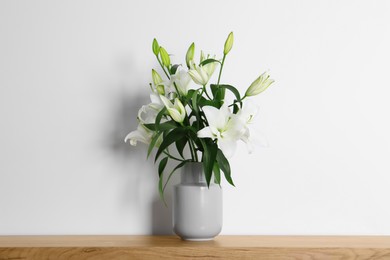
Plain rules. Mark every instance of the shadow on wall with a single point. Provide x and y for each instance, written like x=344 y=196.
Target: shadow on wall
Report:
x=124 y=120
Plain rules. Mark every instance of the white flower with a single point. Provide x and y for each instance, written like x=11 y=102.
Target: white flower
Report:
x=142 y=134
x=223 y=126
x=202 y=74
x=246 y=115
x=250 y=136
x=182 y=80
x=147 y=114
x=259 y=85
x=248 y=112
x=199 y=75
x=176 y=110
x=156 y=104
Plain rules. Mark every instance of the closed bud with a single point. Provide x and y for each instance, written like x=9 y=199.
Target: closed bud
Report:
x=259 y=85
x=228 y=44
x=160 y=89
x=156 y=78
x=190 y=54
x=155 y=47
x=165 y=57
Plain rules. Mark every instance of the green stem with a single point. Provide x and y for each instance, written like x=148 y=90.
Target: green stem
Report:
x=220 y=69
x=192 y=149
x=162 y=66
x=219 y=79
x=205 y=91
x=236 y=101
x=196 y=155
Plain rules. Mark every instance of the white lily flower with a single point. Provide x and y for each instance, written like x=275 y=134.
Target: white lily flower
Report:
x=176 y=110
x=147 y=114
x=182 y=80
x=223 y=126
x=210 y=67
x=142 y=134
x=156 y=104
x=199 y=75
x=202 y=74
x=246 y=114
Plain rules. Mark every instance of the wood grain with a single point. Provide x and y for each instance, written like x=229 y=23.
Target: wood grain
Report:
x=171 y=247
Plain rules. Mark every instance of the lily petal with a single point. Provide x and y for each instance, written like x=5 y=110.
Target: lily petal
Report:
x=205 y=133
x=141 y=134
x=227 y=146
x=217 y=117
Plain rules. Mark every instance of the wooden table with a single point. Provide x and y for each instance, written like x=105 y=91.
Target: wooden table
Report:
x=171 y=247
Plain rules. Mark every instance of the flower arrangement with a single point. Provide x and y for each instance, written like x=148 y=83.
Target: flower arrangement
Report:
x=187 y=111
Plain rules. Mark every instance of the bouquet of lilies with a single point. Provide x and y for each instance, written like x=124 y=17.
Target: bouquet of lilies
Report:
x=188 y=112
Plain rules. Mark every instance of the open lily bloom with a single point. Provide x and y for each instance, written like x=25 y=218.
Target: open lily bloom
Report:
x=209 y=67
x=251 y=137
x=142 y=134
x=199 y=75
x=157 y=103
x=182 y=80
x=147 y=114
x=248 y=112
x=223 y=126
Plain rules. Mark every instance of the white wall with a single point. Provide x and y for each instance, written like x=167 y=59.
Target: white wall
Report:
x=74 y=73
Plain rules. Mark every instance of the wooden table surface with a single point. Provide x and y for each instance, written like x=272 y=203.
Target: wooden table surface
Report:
x=171 y=247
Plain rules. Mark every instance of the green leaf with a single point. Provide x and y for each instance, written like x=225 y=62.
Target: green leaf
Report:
x=204 y=102
x=214 y=89
x=235 y=109
x=161 y=188
x=162 y=165
x=173 y=171
x=173 y=136
x=180 y=144
x=207 y=61
x=194 y=101
x=217 y=173
x=190 y=54
x=153 y=142
x=233 y=90
x=225 y=166
x=160 y=115
x=174 y=69
x=217 y=94
x=162 y=127
x=208 y=158
x=155 y=47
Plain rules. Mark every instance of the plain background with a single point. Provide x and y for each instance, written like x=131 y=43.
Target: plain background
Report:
x=74 y=73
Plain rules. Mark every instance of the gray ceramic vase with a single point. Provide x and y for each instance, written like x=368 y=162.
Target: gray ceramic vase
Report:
x=197 y=209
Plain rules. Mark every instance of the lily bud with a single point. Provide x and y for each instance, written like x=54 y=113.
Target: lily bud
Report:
x=228 y=44
x=176 y=110
x=190 y=54
x=259 y=85
x=156 y=78
x=165 y=57
x=160 y=89
x=155 y=47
